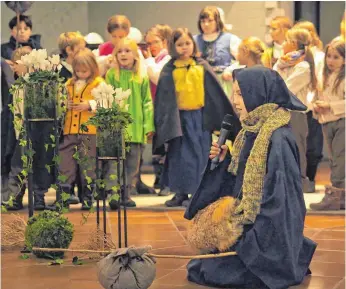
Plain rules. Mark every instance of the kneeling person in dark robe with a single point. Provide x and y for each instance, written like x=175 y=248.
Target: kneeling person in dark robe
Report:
x=262 y=177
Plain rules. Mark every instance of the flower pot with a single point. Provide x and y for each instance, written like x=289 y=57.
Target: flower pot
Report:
x=110 y=144
x=40 y=100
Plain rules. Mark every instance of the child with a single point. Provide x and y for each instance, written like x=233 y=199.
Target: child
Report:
x=189 y=105
x=69 y=44
x=157 y=38
x=219 y=48
x=126 y=74
x=329 y=106
x=23 y=36
x=315 y=136
x=39 y=135
x=278 y=29
x=297 y=68
x=85 y=78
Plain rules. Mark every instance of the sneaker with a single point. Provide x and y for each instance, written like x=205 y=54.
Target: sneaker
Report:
x=157 y=183
x=176 y=201
x=129 y=203
x=165 y=192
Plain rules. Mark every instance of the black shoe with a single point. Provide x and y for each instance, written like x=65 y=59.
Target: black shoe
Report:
x=176 y=201
x=186 y=203
x=39 y=204
x=73 y=200
x=143 y=189
x=129 y=203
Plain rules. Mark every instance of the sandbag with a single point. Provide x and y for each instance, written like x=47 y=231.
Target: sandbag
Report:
x=127 y=268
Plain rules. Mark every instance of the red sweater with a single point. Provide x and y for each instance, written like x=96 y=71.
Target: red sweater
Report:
x=106 y=48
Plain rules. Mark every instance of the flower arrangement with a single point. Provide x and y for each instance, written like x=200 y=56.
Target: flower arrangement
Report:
x=111 y=118
x=39 y=90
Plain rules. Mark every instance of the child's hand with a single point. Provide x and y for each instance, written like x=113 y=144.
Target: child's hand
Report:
x=316 y=109
x=19 y=69
x=227 y=76
x=322 y=104
x=149 y=136
x=83 y=106
x=146 y=53
x=215 y=150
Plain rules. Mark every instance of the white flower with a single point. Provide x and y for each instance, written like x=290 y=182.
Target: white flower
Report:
x=54 y=59
x=26 y=77
x=59 y=67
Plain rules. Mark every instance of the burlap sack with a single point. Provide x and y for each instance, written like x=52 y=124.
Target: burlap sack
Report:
x=127 y=268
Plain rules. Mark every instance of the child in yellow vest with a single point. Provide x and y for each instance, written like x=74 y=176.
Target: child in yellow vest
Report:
x=79 y=110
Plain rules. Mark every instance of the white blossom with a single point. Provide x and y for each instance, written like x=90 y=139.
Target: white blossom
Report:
x=105 y=95
x=54 y=59
x=26 y=77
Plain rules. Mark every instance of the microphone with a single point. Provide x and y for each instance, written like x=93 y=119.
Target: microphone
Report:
x=226 y=127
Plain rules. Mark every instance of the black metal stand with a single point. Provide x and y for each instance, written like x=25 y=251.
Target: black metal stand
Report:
x=122 y=182
x=27 y=122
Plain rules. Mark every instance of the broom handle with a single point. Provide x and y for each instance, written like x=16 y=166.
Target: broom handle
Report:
x=208 y=256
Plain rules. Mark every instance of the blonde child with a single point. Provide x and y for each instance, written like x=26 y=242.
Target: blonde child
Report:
x=157 y=38
x=297 y=68
x=329 y=107
x=85 y=77
x=126 y=74
x=189 y=105
x=278 y=29
x=315 y=136
x=69 y=44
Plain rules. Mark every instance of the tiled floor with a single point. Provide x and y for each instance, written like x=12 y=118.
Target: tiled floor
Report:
x=165 y=231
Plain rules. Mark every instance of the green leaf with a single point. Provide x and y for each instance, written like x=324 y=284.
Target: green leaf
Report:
x=3 y=209
x=88 y=179
x=92 y=209
x=65 y=196
x=57 y=262
x=52 y=137
x=62 y=178
x=114 y=197
x=24 y=256
x=89 y=187
x=24 y=173
x=54 y=186
x=46 y=146
x=22 y=142
x=57 y=159
x=48 y=168
x=64 y=210
x=115 y=188
x=113 y=177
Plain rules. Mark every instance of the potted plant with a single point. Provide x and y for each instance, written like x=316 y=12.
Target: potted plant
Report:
x=41 y=86
x=111 y=120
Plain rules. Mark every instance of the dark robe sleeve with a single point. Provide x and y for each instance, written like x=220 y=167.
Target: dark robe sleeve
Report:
x=274 y=248
x=215 y=184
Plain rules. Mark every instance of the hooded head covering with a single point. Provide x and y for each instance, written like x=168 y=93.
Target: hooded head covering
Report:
x=260 y=85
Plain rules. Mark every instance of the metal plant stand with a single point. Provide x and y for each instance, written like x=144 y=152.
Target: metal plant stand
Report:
x=119 y=157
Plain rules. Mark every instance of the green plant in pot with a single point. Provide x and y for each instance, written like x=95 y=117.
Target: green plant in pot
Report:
x=111 y=120
x=48 y=230
x=38 y=91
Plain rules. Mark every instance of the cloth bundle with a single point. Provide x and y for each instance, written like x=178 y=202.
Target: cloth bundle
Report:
x=127 y=268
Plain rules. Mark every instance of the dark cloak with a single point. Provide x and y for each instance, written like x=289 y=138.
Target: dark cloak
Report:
x=8 y=48
x=273 y=252
x=166 y=112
